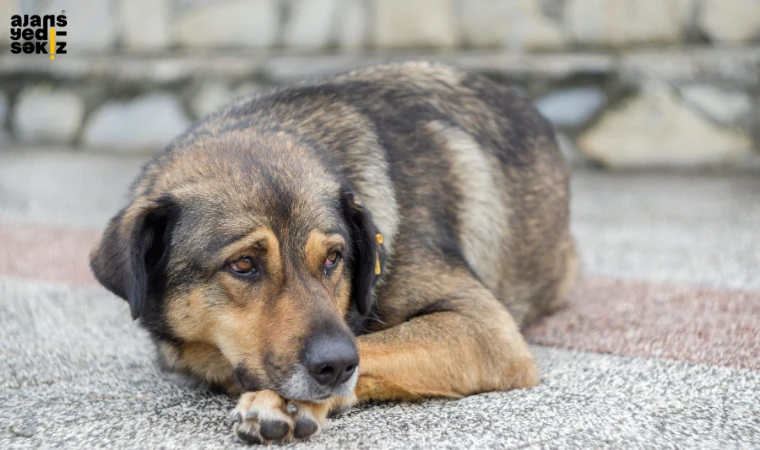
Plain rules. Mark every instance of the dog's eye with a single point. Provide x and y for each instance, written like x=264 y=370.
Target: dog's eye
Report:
x=332 y=260
x=243 y=266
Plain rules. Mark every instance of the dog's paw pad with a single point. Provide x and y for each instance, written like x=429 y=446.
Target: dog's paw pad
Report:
x=305 y=427
x=248 y=435
x=274 y=430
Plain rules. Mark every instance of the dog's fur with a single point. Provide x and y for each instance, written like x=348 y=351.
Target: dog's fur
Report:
x=460 y=176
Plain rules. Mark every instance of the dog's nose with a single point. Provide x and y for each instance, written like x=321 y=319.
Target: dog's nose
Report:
x=331 y=360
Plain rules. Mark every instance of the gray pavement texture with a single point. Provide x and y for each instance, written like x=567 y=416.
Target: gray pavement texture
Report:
x=677 y=228
x=75 y=372
x=79 y=374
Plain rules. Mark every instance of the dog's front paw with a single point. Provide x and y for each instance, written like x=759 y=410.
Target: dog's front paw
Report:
x=264 y=417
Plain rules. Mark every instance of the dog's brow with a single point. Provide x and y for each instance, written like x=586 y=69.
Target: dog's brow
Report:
x=221 y=241
x=245 y=240
x=333 y=238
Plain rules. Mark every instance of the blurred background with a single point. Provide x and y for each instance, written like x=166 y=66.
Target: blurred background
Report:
x=657 y=107
x=628 y=83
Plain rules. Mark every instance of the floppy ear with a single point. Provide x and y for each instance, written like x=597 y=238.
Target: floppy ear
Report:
x=128 y=255
x=363 y=251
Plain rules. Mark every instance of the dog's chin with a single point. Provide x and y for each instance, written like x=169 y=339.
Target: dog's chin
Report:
x=301 y=387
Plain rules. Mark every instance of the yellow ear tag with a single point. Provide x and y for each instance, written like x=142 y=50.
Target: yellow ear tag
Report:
x=379 y=238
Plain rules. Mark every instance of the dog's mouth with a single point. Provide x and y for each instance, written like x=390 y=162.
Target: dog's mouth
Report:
x=297 y=385
x=300 y=386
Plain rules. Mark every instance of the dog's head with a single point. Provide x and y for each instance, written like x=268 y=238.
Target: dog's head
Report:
x=252 y=254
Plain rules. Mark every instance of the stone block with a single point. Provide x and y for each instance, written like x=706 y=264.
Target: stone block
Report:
x=615 y=23
x=144 y=24
x=91 y=25
x=656 y=128
x=515 y=24
x=146 y=123
x=44 y=114
x=311 y=23
x=7 y=9
x=415 y=24
x=721 y=105
x=232 y=24
x=730 y=21
x=353 y=30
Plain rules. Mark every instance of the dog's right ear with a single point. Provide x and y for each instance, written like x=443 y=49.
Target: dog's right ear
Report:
x=365 y=261
x=131 y=250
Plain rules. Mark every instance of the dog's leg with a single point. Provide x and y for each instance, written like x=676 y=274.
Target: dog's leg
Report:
x=464 y=342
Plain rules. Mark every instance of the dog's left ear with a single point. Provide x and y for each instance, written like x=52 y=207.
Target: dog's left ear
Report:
x=129 y=254
x=364 y=258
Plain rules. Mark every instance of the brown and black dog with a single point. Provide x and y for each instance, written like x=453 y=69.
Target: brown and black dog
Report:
x=380 y=235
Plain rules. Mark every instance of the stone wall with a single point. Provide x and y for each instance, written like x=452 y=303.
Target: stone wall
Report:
x=629 y=83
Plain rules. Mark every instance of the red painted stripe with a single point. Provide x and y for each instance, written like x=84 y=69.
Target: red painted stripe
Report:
x=46 y=253
x=633 y=318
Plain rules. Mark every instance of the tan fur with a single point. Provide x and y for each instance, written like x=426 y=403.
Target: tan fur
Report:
x=483 y=216
x=261 y=241
x=418 y=358
x=318 y=246
x=461 y=176
x=228 y=319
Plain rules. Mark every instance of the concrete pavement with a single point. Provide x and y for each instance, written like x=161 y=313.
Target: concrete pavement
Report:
x=659 y=346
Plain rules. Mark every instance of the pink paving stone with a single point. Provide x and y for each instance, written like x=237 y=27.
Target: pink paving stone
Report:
x=46 y=253
x=629 y=318
x=632 y=318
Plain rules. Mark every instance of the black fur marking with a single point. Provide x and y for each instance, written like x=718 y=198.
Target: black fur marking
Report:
x=281 y=198
x=134 y=267
x=156 y=260
x=362 y=251
x=522 y=121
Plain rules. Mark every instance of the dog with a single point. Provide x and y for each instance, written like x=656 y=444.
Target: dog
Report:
x=381 y=235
